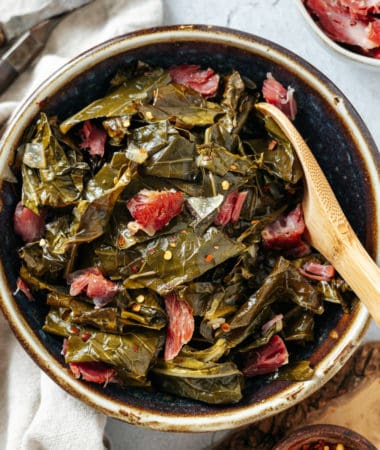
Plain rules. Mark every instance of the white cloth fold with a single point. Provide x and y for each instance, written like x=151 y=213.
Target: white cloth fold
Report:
x=36 y=414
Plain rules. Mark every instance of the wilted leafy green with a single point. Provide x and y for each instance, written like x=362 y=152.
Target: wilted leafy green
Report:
x=216 y=383
x=135 y=352
x=122 y=101
x=49 y=177
x=240 y=291
x=181 y=105
x=190 y=259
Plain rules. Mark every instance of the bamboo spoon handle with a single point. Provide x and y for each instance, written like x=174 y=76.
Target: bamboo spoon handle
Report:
x=328 y=229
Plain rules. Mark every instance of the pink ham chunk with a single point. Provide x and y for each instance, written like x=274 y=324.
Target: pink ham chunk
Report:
x=94 y=371
x=29 y=225
x=276 y=94
x=286 y=232
x=93 y=139
x=266 y=359
x=181 y=325
x=337 y=21
x=231 y=208
x=316 y=271
x=152 y=210
x=203 y=81
x=92 y=282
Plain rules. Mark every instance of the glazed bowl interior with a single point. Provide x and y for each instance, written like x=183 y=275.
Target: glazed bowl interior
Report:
x=334 y=47
x=333 y=130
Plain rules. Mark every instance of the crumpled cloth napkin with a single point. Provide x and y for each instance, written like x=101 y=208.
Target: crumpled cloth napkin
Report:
x=35 y=413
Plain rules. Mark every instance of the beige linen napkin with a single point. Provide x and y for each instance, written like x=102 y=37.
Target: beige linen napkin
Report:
x=36 y=414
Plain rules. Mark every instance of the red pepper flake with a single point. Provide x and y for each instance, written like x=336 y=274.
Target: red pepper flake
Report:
x=135 y=268
x=135 y=348
x=86 y=336
x=42 y=103
x=120 y=241
x=209 y=258
x=225 y=327
x=152 y=251
x=74 y=330
x=136 y=307
x=272 y=145
x=24 y=288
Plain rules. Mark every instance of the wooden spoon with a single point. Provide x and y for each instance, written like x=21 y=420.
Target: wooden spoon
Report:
x=327 y=227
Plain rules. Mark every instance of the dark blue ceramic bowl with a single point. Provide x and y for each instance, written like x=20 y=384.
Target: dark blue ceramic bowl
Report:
x=333 y=130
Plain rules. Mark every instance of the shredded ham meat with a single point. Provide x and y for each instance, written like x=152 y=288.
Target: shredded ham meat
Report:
x=29 y=225
x=92 y=282
x=203 y=81
x=93 y=139
x=276 y=94
x=348 y=21
x=181 y=325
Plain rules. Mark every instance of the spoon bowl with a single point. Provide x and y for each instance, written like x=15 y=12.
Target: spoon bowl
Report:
x=328 y=229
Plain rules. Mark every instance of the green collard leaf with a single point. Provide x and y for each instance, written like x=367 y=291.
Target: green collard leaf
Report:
x=192 y=256
x=134 y=352
x=181 y=105
x=279 y=159
x=92 y=216
x=299 y=371
x=215 y=383
x=237 y=103
x=41 y=261
x=218 y=134
x=122 y=101
x=176 y=160
x=212 y=353
x=117 y=128
x=154 y=136
x=220 y=161
x=204 y=210
x=50 y=177
x=299 y=325
x=284 y=281
x=56 y=324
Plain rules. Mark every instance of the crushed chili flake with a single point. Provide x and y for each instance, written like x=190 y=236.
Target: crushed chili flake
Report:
x=209 y=258
x=136 y=307
x=86 y=336
x=225 y=327
x=135 y=268
x=272 y=145
x=120 y=241
x=74 y=330
x=321 y=444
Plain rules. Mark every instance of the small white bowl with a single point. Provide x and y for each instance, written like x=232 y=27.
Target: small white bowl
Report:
x=371 y=63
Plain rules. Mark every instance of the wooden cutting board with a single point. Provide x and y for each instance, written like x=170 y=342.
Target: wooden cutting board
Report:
x=351 y=399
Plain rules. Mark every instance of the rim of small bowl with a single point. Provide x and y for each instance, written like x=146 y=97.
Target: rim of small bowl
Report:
x=372 y=63
x=349 y=339
x=313 y=433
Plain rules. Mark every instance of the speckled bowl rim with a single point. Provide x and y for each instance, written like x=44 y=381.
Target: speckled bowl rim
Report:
x=328 y=432
x=346 y=343
x=370 y=63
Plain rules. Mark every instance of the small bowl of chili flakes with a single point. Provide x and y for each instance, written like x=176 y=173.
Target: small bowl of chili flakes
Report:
x=324 y=437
